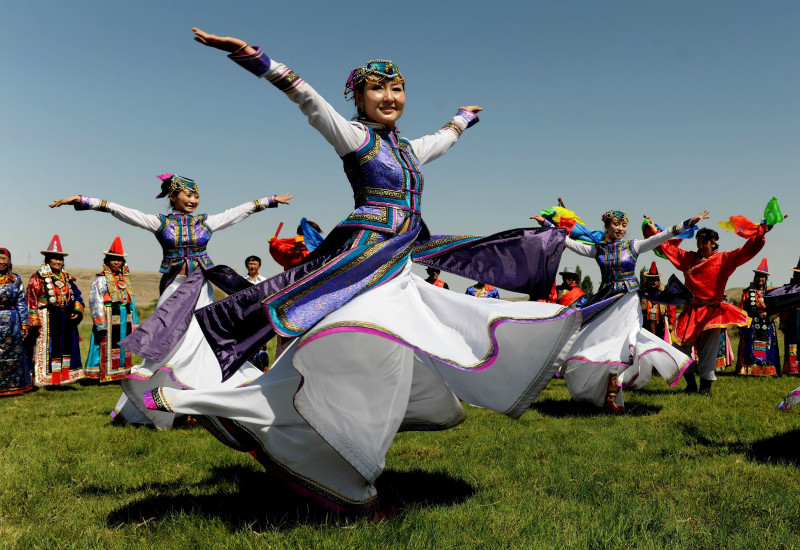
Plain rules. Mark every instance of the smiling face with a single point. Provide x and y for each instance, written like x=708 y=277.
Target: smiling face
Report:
x=760 y=280
x=185 y=202
x=55 y=263
x=705 y=247
x=5 y=261
x=382 y=102
x=616 y=228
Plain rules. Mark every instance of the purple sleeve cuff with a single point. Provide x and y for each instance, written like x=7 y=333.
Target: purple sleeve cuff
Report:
x=469 y=116
x=257 y=63
x=84 y=204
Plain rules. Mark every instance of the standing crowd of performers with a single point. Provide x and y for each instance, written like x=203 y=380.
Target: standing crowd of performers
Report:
x=365 y=347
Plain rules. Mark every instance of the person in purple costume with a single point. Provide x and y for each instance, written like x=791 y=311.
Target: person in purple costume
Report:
x=376 y=348
x=613 y=350
x=183 y=235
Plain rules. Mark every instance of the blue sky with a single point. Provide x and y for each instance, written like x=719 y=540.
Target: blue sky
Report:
x=663 y=108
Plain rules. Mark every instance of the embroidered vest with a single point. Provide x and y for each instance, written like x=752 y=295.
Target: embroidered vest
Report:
x=183 y=239
x=617 y=263
x=387 y=183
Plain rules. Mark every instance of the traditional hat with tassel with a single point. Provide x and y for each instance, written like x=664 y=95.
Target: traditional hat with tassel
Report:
x=116 y=248
x=55 y=247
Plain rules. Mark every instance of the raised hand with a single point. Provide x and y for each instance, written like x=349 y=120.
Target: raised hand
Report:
x=284 y=199
x=701 y=216
x=539 y=219
x=224 y=43
x=75 y=199
x=472 y=108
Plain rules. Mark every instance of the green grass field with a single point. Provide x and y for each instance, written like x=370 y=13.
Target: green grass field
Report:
x=677 y=471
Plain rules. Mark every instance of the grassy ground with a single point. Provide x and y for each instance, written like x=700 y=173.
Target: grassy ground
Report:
x=678 y=471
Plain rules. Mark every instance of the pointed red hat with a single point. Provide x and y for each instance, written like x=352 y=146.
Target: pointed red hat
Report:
x=653 y=271
x=116 y=248
x=762 y=267
x=55 y=247
x=796 y=268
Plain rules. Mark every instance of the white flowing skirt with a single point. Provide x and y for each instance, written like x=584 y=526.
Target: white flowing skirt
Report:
x=614 y=343
x=398 y=357
x=191 y=363
x=791 y=400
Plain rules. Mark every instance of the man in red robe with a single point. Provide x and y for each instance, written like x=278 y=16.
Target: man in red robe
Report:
x=702 y=320
x=290 y=252
x=568 y=293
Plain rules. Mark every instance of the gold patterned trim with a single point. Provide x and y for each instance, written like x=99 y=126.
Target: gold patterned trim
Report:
x=383 y=217
x=454 y=127
x=280 y=310
x=285 y=82
x=372 y=153
x=442 y=242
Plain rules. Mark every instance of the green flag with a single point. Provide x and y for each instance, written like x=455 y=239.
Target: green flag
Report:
x=772 y=213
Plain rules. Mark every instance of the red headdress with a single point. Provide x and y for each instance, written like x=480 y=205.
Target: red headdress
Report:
x=55 y=247
x=116 y=248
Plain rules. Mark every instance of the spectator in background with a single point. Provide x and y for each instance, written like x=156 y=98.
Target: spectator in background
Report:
x=482 y=290
x=290 y=252
x=253 y=264
x=15 y=374
x=433 y=278
x=55 y=308
x=790 y=325
x=568 y=293
x=113 y=309
x=758 y=347
x=657 y=318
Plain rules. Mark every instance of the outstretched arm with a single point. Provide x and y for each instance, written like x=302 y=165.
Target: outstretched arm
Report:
x=343 y=135
x=658 y=239
x=429 y=148
x=130 y=216
x=582 y=249
x=236 y=214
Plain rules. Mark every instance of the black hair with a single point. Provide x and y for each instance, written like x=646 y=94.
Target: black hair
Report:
x=707 y=234
x=251 y=259
x=48 y=257
x=312 y=224
x=110 y=257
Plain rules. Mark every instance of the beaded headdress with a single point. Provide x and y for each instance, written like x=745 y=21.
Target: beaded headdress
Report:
x=378 y=69
x=170 y=183
x=614 y=215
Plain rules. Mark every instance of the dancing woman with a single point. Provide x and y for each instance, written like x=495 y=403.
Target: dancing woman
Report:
x=183 y=236
x=613 y=350
x=377 y=348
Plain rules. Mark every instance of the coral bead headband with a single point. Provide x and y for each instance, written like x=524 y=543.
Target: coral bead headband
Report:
x=170 y=183
x=377 y=70
x=614 y=216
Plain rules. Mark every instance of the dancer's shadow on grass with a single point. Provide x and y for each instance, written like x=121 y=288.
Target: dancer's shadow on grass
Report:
x=777 y=449
x=244 y=498
x=561 y=408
